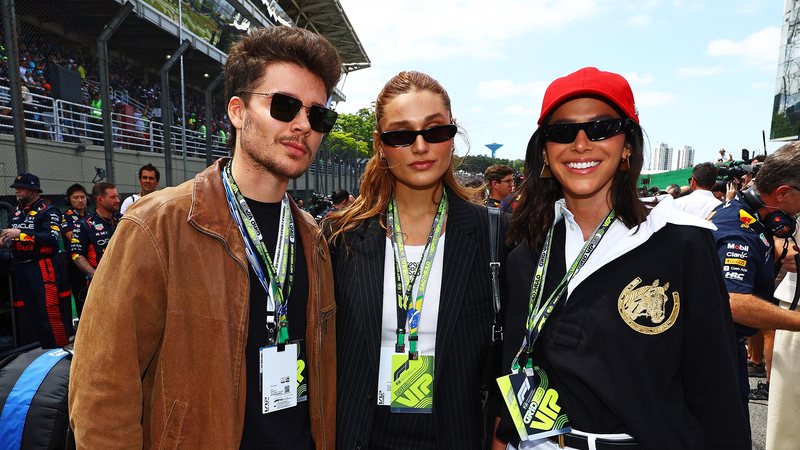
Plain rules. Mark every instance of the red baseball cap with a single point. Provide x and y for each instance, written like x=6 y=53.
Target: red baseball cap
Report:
x=590 y=81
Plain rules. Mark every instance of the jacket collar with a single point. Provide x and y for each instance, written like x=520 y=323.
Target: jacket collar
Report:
x=210 y=214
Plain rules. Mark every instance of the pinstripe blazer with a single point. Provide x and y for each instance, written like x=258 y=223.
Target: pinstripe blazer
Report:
x=462 y=334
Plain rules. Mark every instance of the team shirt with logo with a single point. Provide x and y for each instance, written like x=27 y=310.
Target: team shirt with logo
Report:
x=92 y=236
x=744 y=248
x=40 y=231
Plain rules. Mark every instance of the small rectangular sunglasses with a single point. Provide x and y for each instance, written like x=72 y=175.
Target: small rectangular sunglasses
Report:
x=432 y=135
x=565 y=133
x=285 y=108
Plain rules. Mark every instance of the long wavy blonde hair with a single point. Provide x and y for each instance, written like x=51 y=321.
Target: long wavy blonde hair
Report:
x=378 y=182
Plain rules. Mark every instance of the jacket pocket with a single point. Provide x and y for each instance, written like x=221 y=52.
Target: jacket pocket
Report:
x=174 y=423
x=328 y=317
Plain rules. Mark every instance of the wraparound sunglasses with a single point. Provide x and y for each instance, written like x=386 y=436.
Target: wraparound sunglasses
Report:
x=565 y=133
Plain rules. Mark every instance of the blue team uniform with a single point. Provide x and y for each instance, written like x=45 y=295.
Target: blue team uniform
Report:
x=92 y=236
x=744 y=248
x=41 y=272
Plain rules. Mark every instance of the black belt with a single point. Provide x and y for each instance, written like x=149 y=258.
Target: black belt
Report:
x=582 y=442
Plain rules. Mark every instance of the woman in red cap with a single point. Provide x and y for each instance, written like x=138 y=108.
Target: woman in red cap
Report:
x=619 y=333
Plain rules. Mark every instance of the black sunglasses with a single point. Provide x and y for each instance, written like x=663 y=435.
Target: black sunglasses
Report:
x=565 y=133
x=432 y=135
x=285 y=108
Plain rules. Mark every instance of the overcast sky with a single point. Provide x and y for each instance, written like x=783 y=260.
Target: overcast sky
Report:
x=703 y=73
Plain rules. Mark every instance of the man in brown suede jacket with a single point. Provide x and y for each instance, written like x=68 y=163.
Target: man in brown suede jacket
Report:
x=211 y=322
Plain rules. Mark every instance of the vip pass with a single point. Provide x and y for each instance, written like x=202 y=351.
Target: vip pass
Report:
x=277 y=282
x=408 y=311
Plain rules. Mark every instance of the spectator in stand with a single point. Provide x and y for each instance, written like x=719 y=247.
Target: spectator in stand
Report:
x=500 y=183
x=701 y=200
x=149 y=177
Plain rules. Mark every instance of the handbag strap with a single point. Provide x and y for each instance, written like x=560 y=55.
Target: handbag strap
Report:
x=494 y=270
x=796 y=297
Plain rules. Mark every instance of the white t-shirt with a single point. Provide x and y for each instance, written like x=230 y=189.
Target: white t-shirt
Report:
x=128 y=202
x=426 y=345
x=698 y=203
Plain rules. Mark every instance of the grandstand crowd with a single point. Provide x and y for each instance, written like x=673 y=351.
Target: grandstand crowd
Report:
x=135 y=101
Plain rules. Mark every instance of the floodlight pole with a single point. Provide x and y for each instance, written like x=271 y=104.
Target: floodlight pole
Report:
x=17 y=108
x=166 y=112
x=105 y=94
x=209 y=110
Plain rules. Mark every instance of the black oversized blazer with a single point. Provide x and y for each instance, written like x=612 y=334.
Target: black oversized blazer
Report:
x=462 y=333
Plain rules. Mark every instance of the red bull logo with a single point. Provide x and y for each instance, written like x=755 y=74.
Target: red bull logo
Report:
x=746 y=219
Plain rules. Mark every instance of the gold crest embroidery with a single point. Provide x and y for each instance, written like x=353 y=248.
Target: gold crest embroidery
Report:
x=645 y=308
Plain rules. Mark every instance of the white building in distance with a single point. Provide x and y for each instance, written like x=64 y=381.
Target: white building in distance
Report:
x=685 y=157
x=662 y=158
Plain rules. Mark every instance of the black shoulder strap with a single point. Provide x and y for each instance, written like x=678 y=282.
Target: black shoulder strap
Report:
x=796 y=297
x=494 y=270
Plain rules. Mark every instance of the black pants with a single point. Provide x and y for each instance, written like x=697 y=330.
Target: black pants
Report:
x=47 y=306
x=744 y=380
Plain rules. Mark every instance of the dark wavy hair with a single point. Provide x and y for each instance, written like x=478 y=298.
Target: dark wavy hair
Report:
x=534 y=214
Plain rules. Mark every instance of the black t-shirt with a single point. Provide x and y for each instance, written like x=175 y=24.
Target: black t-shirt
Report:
x=289 y=428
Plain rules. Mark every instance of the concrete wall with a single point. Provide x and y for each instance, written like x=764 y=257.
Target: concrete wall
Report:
x=59 y=164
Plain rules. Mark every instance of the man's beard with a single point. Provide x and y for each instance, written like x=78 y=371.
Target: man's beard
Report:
x=277 y=165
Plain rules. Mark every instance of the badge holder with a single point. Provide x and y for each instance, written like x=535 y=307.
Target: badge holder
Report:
x=412 y=384
x=278 y=367
x=533 y=404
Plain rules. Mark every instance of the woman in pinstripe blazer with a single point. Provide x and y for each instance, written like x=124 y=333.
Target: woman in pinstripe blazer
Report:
x=411 y=171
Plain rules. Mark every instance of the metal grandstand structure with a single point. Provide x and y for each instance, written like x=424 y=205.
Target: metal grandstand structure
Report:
x=118 y=37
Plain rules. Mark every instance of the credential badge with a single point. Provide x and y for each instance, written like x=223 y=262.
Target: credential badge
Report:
x=648 y=309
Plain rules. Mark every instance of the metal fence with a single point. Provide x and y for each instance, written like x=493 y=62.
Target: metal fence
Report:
x=63 y=121
x=122 y=92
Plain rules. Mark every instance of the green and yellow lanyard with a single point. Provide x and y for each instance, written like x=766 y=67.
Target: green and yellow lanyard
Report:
x=539 y=312
x=277 y=281
x=408 y=311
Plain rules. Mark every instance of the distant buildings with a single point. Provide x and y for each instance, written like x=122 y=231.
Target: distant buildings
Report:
x=685 y=157
x=664 y=158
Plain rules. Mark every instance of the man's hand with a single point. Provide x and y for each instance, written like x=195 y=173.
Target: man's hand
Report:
x=732 y=187
x=8 y=235
x=84 y=266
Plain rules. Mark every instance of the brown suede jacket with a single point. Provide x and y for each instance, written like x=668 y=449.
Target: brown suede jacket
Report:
x=159 y=355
